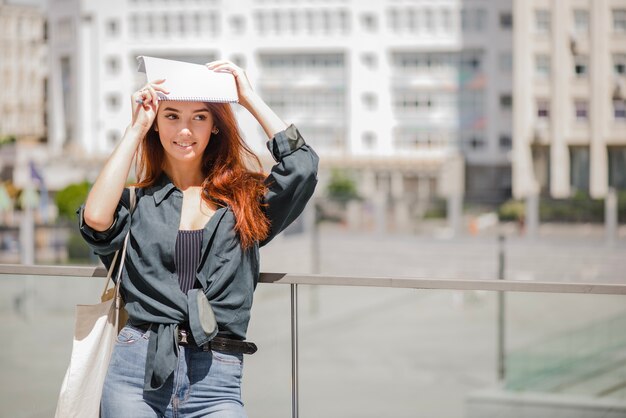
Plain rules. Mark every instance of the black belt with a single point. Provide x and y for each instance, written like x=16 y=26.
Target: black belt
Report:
x=226 y=345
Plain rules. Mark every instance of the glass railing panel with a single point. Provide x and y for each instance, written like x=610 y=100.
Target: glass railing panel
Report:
x=364 y=351
x=371 y=352
x=37 y=323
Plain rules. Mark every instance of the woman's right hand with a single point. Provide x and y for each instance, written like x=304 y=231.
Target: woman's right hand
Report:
x=145 y=103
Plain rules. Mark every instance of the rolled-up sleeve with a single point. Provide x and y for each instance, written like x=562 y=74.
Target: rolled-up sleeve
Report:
x=107 y=242
x=292 y=180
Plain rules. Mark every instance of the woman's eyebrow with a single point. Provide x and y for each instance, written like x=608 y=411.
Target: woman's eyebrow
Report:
x=171 y=109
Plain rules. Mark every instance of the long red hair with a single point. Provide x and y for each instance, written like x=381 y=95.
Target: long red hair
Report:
x=228 y=180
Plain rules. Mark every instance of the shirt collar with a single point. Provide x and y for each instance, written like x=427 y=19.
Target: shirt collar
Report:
x=163 y=187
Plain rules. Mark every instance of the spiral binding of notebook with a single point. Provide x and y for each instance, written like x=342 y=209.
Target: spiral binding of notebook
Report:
x=170 y=98
x=189 y=82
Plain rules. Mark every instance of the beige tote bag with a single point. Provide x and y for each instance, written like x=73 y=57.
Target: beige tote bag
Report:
x=95 y=333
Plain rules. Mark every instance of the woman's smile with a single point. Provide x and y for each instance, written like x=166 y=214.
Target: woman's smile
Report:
x=185 y=144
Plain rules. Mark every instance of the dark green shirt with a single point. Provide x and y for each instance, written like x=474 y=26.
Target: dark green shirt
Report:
x=227 y=273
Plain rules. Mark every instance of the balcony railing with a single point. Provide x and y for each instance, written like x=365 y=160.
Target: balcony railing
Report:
x=525 y=365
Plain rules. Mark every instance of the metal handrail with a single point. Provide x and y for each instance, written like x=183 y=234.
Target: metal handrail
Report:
x=333 y=280
x=389 y=282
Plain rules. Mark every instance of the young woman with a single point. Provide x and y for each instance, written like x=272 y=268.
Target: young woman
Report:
x=193 y=253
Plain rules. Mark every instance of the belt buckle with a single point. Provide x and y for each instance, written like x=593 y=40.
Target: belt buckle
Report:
x=182 y=337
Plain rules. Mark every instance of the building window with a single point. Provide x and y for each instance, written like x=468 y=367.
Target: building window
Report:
x=506 y=21
x=579 y=168
x=481 y=19
x=237 y=24
x=581 y=108
x=543 y=109
x=619 y=64
x=134 y=24
x=113 y=102
x=113 y=65
x=581 y=21
x=370 y=101
x=429 y=20
x=112 y=27
x=475 y=142
x=505 y=62
x=506 y=102
x=465 y=20
x=619 y=20
x=542 y=21
x=617 y=167
x=344 y=20
x=446 y=20
x=619 y=110
x=369 y=139
x=505 y=141
x=542 y=66
x=473 y=19
x=112 y=137
x=369 y=22
x=369 y=60
x=581 y=63
x=239 y=60
x=470 y=61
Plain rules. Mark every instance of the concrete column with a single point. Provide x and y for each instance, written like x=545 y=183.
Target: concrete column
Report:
x=532 y=216
x=423 y=194
x=560 y=100
x=397 y=184
x=455 y=213
x=451 y=184
x=368 y=183
x=600 y=88
x=610 y=217
x=380 y=212
x=523 y=118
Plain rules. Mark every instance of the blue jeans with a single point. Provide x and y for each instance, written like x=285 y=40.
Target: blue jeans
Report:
x=204 y=383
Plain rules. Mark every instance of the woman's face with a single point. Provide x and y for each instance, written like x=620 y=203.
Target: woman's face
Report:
x=184 y=129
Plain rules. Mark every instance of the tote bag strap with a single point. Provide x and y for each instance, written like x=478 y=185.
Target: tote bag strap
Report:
x=133 y=200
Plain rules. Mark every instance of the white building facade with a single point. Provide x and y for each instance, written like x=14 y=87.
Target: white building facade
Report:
x=399 y=91
x=22 y=71
x=570 y=98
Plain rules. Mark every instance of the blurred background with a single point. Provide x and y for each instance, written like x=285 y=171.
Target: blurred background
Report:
x=442 y=125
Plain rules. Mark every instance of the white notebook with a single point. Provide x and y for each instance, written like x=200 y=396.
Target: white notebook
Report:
x=189 y=82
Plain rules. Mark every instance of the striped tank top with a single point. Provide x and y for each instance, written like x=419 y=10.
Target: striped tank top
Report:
x=188 y=247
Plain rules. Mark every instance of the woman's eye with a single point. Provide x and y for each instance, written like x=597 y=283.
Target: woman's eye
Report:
x=171 y=117
x=200 y=117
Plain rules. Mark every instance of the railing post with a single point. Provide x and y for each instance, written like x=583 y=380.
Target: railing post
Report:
x=294 y=351
x=501 y=313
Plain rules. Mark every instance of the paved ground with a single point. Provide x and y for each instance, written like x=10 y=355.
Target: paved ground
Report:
x=365 y=352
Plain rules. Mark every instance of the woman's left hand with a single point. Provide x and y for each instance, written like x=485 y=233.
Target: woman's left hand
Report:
x=244 y=88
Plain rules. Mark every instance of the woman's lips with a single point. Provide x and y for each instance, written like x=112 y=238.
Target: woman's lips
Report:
x=184 y=144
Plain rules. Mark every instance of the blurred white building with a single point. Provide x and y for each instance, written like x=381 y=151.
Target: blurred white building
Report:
x=22 y=71
x=405 y=93
x=570 y=98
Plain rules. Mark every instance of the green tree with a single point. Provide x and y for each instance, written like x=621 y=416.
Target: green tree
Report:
x=342 y=186
x=70 y=198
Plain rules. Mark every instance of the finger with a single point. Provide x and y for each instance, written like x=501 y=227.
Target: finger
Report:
x=152 y=94
x=161 y=89
x=156 y=85
x=236 y=71
x=224 y=65
x=216 y=62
